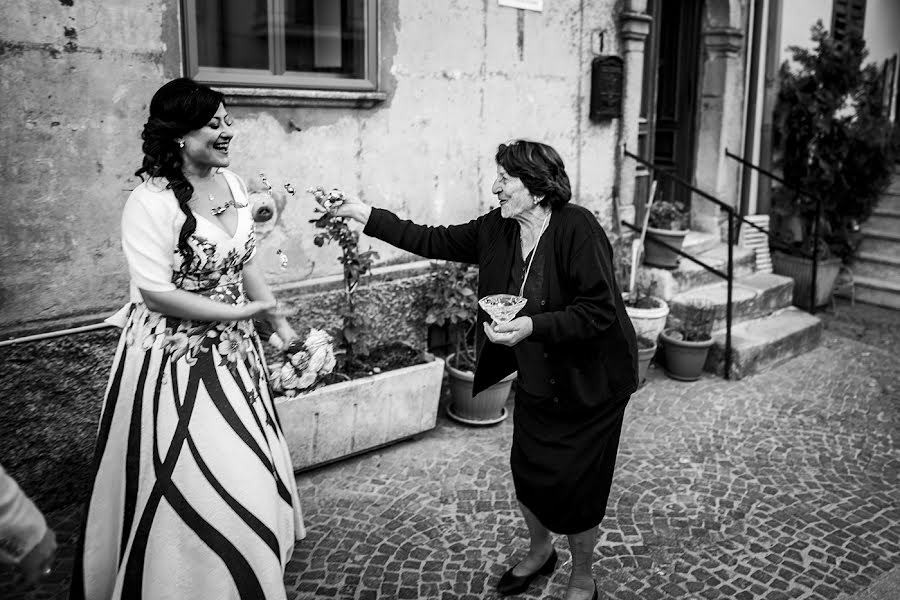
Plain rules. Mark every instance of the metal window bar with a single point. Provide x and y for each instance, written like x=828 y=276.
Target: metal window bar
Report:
x=799 y=192
x=728 y=275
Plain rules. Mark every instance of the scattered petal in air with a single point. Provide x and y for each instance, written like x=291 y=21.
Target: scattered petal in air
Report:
x=283 y=257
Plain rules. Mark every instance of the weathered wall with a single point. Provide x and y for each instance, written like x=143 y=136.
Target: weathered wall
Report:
x=75 y=80
x=461 y=77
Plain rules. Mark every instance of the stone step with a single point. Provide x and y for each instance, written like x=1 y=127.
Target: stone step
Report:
x=752 y=297
x=760 y=344
x=885 y=219
x=889 y=201
x=697 y=242
x=894 y=186
x=877 y=266
x=870 y=290
x=881 y=242
x=690 y=275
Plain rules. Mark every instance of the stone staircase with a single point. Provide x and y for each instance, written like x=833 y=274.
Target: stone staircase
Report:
x=766 y=329
x=876 y=270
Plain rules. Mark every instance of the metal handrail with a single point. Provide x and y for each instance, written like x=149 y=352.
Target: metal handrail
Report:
x=729 y=274
x=800 y=192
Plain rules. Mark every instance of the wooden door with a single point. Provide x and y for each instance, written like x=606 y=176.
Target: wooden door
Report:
x=677 y=96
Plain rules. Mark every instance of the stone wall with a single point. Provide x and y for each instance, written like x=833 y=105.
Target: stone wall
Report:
x=459 y=77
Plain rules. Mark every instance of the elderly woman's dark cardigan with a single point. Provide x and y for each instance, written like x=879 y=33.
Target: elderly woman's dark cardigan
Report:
x=590 y=343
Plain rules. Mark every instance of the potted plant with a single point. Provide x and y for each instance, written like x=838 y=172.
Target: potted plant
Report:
x=667 y=223
x=834 y=142
x=687 y=342
x=647 y=311
x=450 y=303
x=362 y=404
x=646 y=350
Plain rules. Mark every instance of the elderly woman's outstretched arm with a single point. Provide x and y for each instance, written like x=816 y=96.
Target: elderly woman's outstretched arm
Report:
x=456 y=242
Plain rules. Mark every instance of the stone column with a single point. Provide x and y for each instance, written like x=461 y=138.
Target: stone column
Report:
x=720 y=125
x=635 y=26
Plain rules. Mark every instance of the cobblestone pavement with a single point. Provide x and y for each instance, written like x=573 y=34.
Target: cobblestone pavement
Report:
x=781 y=485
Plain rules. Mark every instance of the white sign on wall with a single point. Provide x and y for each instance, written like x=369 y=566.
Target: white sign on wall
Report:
x=536 y=5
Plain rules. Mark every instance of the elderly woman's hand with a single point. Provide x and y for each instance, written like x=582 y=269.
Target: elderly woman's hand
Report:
x=354 y=209
x=511 y=333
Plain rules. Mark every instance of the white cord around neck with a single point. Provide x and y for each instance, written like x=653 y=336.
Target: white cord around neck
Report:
x=533 y=252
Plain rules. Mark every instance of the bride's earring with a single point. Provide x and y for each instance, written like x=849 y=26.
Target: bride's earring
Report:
x=181 y=143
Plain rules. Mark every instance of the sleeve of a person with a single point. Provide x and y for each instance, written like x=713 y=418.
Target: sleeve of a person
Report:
x=22 y=525
x=456 y=242
x=149 y=241
x=593 y=308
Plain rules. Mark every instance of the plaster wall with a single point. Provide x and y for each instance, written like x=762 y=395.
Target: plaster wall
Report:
x=461 y=77
x=75 y=79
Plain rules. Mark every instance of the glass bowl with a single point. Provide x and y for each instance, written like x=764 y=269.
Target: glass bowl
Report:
x=502 y=307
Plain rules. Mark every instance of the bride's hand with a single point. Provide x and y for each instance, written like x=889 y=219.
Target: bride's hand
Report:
x=354 y=209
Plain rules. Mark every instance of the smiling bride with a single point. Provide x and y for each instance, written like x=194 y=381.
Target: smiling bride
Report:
x=193 y=494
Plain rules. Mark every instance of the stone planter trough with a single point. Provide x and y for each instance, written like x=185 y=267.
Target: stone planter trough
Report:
x=344 y=419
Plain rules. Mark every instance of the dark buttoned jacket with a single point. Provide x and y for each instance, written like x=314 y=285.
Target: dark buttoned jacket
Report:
x=588 y=339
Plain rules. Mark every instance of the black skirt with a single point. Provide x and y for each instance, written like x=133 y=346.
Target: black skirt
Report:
x=563 y=460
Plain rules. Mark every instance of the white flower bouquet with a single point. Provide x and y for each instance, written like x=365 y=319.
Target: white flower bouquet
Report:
x=304 y=364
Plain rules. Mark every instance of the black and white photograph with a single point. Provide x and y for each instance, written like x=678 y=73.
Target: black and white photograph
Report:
x=450 y=300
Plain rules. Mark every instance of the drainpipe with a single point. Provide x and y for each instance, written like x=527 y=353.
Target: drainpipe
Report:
x=756 y=49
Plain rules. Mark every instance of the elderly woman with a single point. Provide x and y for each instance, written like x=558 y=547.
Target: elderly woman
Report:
x=572 y=344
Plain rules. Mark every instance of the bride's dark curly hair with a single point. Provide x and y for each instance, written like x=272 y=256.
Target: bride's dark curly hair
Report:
x=177 y=108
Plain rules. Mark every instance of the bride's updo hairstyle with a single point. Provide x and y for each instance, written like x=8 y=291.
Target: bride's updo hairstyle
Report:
x=539 y=167
x=177 y=108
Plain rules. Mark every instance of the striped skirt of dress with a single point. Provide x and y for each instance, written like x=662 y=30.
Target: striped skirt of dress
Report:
x=194 y=494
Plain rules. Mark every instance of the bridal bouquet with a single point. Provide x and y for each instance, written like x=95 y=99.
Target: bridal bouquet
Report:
x=304 y=364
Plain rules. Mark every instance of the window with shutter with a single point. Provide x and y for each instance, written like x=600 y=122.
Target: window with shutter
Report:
x=847 y=15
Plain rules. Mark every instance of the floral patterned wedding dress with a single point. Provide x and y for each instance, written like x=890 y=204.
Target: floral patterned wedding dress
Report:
x=194 y=494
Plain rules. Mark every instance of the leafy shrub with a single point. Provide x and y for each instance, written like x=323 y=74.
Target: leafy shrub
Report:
x=835 y=142
x=696 y=321
x=668 y=215
x=450 y=300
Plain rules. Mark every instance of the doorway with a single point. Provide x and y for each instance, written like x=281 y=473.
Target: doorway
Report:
x=668 y=128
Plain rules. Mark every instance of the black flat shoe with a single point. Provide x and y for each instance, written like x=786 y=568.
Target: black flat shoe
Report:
x=510 y=584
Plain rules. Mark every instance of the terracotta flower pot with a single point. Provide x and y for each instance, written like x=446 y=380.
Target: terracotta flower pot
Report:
x=486 y=408
x=657 y=255
x=684 y=360
x=645 y=356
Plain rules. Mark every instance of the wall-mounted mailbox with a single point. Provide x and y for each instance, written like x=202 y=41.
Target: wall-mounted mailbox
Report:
x=606 y=88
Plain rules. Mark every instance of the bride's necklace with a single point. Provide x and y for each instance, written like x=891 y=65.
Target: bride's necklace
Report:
x=217 y=210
